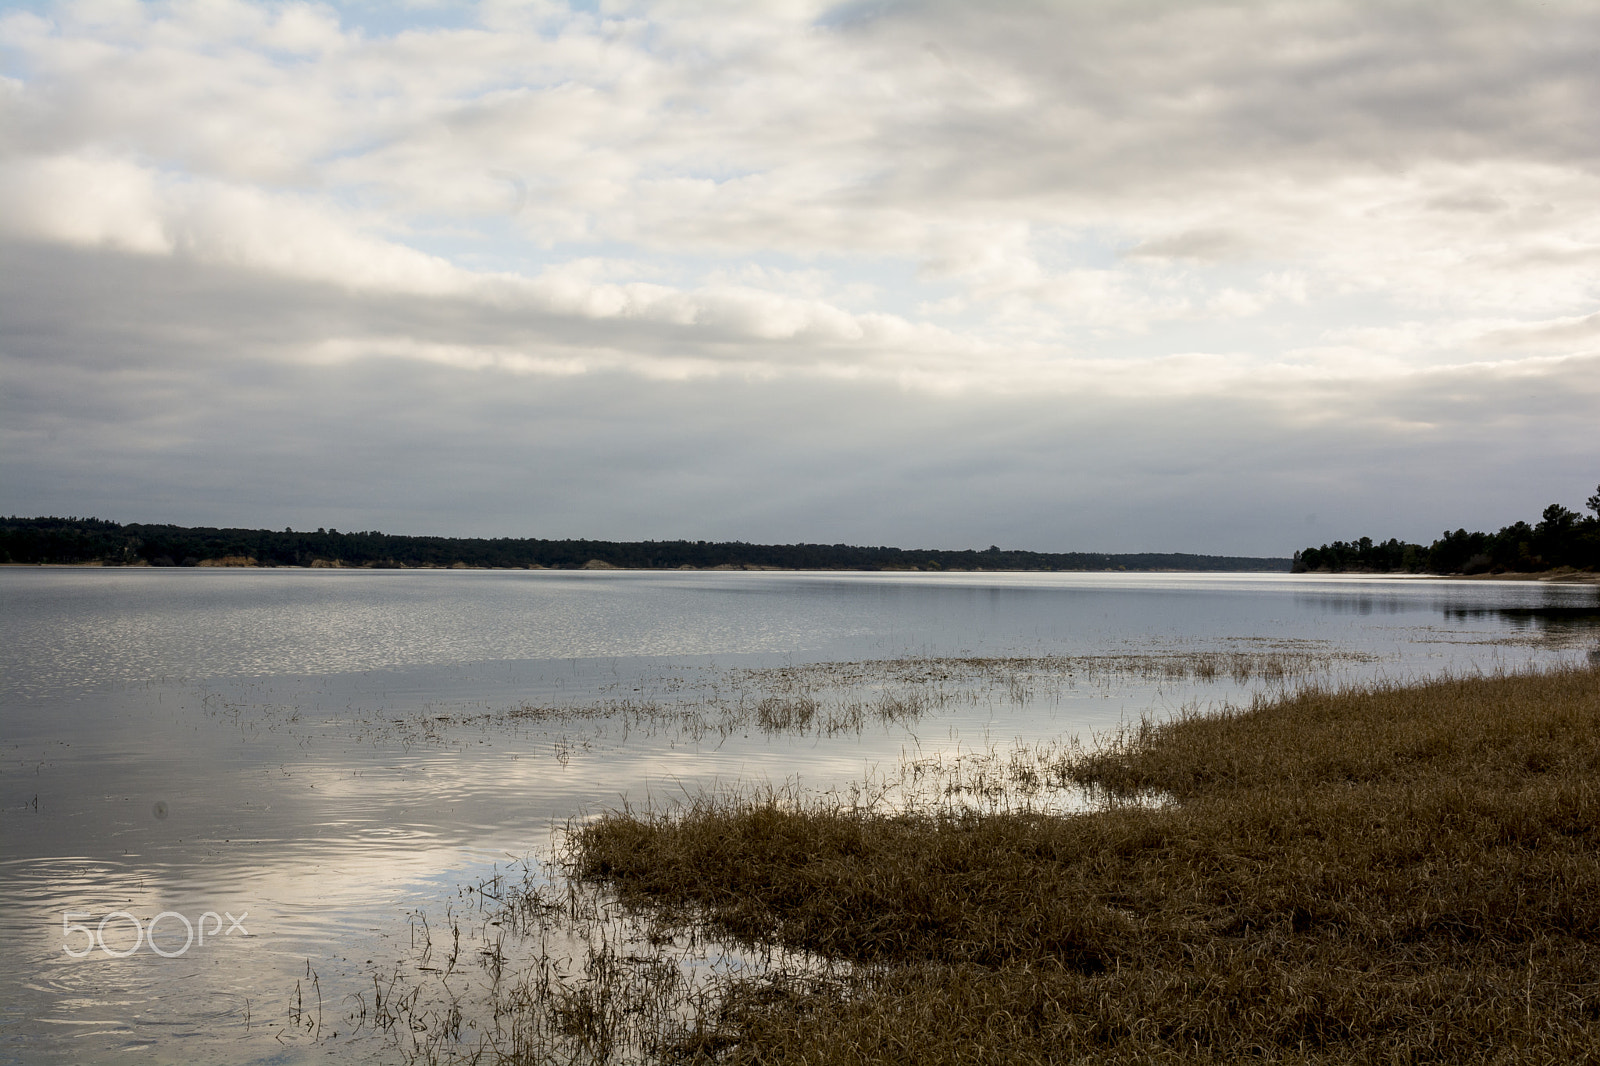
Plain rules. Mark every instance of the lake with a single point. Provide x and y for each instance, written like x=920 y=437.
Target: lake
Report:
x=319 y=770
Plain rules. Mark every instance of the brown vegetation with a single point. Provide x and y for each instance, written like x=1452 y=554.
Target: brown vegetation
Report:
x=1381 y=874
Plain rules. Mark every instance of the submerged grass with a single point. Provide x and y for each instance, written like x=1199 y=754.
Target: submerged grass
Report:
x=830 y=698
x=1375 y=874
x=822 y=700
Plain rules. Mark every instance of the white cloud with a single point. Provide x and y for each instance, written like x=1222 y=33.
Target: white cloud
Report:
x=1366 y=151
x=83 y=201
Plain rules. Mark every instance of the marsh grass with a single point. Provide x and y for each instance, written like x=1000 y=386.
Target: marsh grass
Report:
x=831 y=698
x=544 y=968
x=1382 y=873
x=819 y=700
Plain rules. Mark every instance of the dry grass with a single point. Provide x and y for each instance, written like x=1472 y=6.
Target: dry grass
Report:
x=1383 y=874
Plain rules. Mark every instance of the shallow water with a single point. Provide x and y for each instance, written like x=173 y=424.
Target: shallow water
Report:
x=331 y=754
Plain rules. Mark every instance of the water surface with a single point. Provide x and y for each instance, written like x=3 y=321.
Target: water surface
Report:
x=336 y=753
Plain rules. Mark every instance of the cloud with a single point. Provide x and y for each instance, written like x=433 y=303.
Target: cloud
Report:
x=108 y=203
x=931 y=251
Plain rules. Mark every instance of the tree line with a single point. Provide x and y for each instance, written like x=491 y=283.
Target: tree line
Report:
x=54 y=540
x=1562 y=538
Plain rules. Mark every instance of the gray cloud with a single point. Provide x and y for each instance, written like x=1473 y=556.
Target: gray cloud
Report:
x=1097 y=276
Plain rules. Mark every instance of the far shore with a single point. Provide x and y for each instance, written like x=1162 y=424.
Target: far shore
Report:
x=1564 y=575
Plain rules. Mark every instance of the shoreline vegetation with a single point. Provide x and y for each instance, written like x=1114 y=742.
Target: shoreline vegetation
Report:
x=96 y=542
x=1383 y=872
x=1563 y=544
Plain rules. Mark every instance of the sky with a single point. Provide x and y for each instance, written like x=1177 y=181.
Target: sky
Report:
x=1232 y=278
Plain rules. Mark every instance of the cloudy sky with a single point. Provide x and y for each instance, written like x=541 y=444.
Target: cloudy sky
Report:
x=1119 y=276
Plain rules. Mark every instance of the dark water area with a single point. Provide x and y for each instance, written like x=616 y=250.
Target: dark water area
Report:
x=304 y=765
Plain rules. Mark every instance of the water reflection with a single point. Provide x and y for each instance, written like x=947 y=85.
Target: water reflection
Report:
x=1456 y=600
x=1553 y=616
x=1360 y=603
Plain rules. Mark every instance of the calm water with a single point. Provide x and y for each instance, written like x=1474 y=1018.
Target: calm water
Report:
x=327 y=755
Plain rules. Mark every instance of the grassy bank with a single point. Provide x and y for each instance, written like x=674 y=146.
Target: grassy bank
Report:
x=1391 y=874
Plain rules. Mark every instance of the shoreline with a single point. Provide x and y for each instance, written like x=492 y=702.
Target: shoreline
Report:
x=1563 y=576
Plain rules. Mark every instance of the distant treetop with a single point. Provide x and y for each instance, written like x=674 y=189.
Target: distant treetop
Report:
x=1563 y=538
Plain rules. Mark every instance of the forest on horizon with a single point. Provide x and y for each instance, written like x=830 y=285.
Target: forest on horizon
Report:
x=1561 y=538
x=51 y=540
